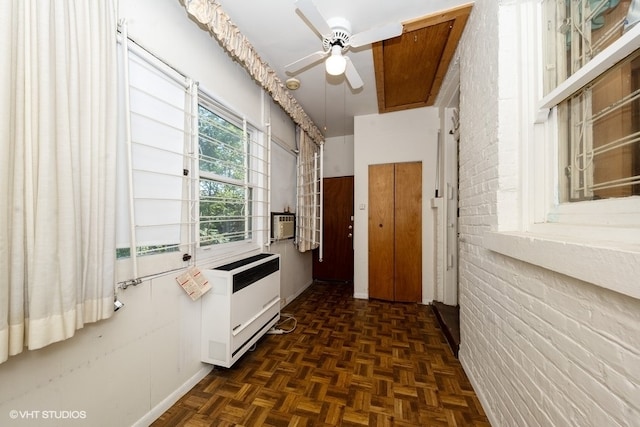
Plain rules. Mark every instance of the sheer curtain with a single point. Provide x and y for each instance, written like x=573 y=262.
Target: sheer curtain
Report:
x=57 y=169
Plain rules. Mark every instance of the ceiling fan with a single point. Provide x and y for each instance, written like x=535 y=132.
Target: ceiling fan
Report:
x=336 y=40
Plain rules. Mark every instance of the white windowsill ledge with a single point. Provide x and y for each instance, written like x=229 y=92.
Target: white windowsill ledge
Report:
x=611 y=265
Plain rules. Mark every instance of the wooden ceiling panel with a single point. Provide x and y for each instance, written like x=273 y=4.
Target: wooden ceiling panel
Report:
x=411 y=62
x=410 y=68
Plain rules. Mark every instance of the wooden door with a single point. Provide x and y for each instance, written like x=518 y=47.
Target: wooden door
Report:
x=395 y=231
x=337 y=262
x=381 y=233
x=408 y=232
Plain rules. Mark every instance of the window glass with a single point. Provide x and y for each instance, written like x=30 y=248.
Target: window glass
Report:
x=598 y=129
x=222 y=146
x=226 y=190
x=599 y=136
x=577 y=30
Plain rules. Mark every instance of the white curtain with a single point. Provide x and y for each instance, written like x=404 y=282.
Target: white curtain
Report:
x=57 y=169
x=308 y=211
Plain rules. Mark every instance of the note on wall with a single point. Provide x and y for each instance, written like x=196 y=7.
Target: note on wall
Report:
x=194 y=283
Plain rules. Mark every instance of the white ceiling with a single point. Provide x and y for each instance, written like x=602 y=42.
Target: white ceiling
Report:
x=281 y=36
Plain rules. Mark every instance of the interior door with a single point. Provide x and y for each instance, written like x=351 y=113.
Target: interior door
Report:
x=337 y=261
x=395 y=231
x=381 y=231
x=408 y=230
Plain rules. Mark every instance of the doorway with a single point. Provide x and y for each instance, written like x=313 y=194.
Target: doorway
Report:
x=445 y=305
x=337 y=261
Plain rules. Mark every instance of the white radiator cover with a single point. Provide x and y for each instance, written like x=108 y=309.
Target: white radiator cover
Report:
x=242 y=305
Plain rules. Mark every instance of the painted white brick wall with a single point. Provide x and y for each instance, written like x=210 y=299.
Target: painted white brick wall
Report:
x=541 y=349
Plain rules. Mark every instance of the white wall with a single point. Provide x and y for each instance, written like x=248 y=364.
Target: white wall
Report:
x=392 y=138
x=131 y=367
x=338 y=156
x=540 y=348
x=295 y=270
x=165 y=29
x=282 y=127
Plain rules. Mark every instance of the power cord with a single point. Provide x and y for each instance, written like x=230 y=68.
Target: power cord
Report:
x=276 y=330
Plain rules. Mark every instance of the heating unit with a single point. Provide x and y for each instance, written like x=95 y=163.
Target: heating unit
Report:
x=242 y=305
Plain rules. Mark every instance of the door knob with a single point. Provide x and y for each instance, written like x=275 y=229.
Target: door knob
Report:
x=350 y=235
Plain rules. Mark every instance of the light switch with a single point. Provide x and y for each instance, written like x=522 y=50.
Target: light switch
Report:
x=362 y=206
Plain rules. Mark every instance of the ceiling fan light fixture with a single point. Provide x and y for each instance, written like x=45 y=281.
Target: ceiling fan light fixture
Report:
x=336 y=63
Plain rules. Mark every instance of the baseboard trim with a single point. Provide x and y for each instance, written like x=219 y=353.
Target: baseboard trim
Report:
x=288 y=301
x=170 y=400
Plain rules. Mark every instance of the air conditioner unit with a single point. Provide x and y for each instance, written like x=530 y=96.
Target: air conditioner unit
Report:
x=283 y=225
x=242 y=305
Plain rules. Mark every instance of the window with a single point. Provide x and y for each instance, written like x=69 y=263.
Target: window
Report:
x=191 y=174
x=581 y=214
x=577 y=30
x=598 y=121
x=154 y=140
x=599 y=136
x=232 y=178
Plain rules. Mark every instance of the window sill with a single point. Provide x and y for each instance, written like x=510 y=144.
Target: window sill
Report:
x=576 y=251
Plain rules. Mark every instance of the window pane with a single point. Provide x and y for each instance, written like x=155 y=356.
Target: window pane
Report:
x=600 y=136
x=224 y=212
x=222 y=146
x=577 y=30
x=228 y=178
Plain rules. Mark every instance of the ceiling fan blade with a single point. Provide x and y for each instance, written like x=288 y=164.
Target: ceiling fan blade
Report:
x=352 y=76
x=312 y=14
x=375 y=35
x=306 y=61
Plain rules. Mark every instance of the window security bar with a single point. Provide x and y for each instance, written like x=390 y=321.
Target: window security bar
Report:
x=624 y=101
x=228 y=219
x=127 y=115
x=623 y=182
x=619 y=143
x=233 y=178
x=609 y=35
x=154 y=202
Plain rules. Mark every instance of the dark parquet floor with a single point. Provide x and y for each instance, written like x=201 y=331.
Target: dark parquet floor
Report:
x=349 y=362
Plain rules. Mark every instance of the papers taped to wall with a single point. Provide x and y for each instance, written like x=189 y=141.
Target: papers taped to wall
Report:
x=194 y=283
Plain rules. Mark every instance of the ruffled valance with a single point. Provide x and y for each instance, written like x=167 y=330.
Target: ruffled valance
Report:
x=210 y=13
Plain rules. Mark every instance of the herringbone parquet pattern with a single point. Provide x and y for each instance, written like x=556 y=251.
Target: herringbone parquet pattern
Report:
x=349 y=363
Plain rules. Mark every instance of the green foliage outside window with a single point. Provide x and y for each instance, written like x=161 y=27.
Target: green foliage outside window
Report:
x=224 y=190
x=146 y=250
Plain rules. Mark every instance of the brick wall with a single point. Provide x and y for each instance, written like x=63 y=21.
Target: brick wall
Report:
x=541 y=349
